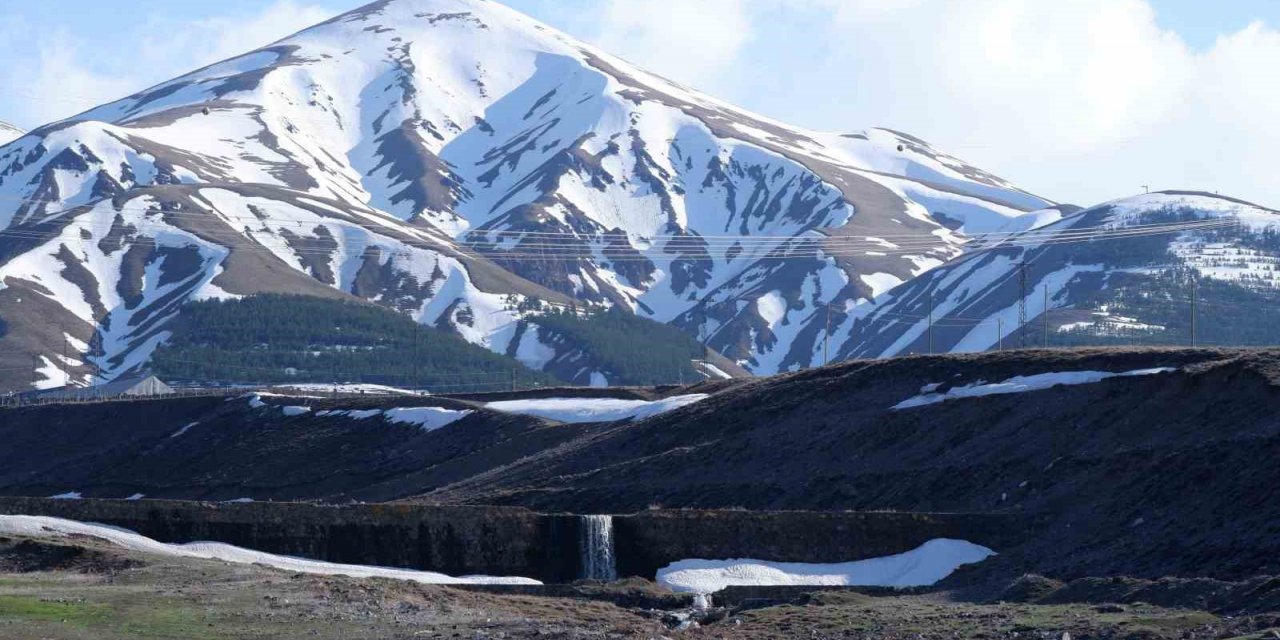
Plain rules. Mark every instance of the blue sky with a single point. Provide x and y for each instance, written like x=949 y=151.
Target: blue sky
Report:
x=1202 y=21
x=1079 y=100
x=1199 y=21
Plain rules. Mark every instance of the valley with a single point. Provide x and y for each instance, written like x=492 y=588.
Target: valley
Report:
x=432 y=320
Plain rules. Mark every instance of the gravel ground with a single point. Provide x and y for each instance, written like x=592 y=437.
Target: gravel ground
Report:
x=87 y=590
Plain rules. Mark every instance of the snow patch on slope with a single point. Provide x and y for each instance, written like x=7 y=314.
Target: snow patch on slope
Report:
x=427 y=418
x=924 y=566
x=587 y=410
x=1018 y=384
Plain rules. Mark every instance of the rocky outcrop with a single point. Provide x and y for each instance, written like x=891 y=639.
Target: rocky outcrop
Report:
x=519 y=542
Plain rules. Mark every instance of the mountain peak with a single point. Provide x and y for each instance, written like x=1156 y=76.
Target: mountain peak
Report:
x=465 y=165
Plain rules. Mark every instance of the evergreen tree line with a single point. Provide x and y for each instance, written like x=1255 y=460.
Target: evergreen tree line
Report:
x=1226 y=313
x=631 y=350
x=280 y=339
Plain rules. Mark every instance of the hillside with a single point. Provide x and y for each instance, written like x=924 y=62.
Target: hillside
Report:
x=613 y=347
x=1126 y=272
x=1164 y=471
x=1144 y=463
x=277 y=339
x=461 y=164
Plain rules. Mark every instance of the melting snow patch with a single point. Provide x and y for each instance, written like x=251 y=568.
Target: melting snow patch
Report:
x=70 y=495
x=296 y=411
x=584 y=410
x=354 y=414
x=1020 y=384
x=428 y=418
x=135 y=497
x=921 y=567
x=881 y=283
x=184 y=430
x=44 y=528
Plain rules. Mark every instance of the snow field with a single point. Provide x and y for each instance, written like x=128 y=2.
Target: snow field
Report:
x=920 y=567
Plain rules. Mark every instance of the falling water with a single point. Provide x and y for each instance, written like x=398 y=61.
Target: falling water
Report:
x=596 y=547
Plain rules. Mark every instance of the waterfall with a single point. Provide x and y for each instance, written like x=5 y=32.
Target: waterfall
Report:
x=596 y=548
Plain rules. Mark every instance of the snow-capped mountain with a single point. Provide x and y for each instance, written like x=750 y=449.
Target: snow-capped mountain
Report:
x=1118 y=273
x=9 y=133
x=464 y=164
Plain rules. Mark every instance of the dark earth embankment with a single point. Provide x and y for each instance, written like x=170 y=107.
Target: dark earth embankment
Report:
x=1156 y=475
x=1171 y=474
x=227 y=449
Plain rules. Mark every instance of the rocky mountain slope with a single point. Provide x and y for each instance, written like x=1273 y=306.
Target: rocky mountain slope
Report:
x=1124 y=272
x=467 y=166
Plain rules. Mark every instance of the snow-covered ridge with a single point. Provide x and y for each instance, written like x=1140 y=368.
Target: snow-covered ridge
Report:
x=454 y=160
x=920 y=567
x=44 y=528
x=976 y=299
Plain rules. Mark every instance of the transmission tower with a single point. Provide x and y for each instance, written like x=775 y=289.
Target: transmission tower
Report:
x=1022 y=304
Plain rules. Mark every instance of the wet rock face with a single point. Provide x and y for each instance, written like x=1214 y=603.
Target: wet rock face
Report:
x=454 y=541
x=517 y=542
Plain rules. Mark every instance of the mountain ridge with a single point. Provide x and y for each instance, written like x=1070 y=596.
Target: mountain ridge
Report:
x=465 y=165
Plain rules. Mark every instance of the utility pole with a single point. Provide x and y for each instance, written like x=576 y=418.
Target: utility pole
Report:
x=999 y=334
x=416 y=327
x=1194 y=294
x=513 y=379
x=826 y=340
x=931 y=323
x=1046 y=316
x=66 y=361
x=1022 y=303
x=35 y=371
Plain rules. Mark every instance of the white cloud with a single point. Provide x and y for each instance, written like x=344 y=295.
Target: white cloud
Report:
x=686 y=39
x=58 y=82
x=210 y=40
x=1080 y=100
x=66 y=75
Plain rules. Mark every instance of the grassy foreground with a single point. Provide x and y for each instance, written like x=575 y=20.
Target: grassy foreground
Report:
x=104 y=594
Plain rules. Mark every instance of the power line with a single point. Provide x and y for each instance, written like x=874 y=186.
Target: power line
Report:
x=554 y=239
x=792 y=248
